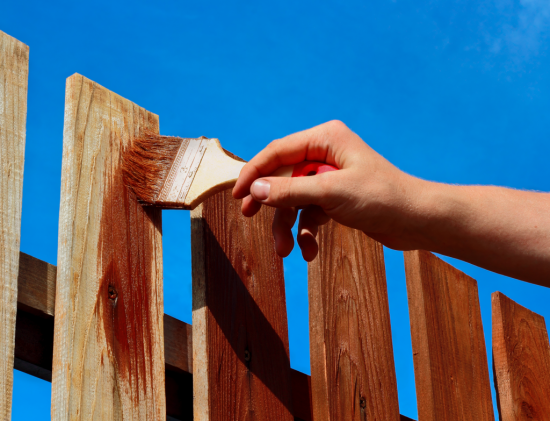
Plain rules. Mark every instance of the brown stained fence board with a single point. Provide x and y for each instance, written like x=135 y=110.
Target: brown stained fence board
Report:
x=108 y=360
x=450 y=358
x=14 y=69
x=352 y=367
x=241 y=367
x=521 y=361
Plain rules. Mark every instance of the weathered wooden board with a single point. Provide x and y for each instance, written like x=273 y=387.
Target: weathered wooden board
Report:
x=14 y=70
x=241 y=368
x=450 y=359
x=352 y=367
x=108 y=358
x=521 y=361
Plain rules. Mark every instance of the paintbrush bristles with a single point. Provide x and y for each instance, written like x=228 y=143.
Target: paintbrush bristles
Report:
x=146 y=164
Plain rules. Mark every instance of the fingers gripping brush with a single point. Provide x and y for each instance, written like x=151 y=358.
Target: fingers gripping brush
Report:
x=179 y=173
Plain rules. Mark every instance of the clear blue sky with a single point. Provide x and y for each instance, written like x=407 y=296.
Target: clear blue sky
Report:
x=453 y=91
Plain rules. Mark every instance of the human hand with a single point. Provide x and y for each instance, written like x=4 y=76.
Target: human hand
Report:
x=367 y=192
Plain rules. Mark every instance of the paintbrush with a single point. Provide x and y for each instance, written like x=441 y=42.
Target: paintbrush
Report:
x=180 y=173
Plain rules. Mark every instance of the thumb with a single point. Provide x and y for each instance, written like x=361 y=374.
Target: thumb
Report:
x=287 y=192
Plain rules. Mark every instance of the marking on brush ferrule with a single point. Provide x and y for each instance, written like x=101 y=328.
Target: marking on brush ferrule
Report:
x=183 y=170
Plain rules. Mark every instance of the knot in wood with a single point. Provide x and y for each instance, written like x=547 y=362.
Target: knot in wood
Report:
x=247 y=355
x=112 y=293
x=363 y=403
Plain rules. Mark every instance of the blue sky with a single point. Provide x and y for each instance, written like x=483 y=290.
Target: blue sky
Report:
x=452 y=91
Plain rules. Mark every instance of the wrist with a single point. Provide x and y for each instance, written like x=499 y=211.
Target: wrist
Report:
x=436 y=209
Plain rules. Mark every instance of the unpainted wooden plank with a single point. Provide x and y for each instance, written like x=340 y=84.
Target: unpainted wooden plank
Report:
x=241 y=367
x=352 y=367
x=108 y=360
x=14 y=70
x=521 y=361
x=450 y=359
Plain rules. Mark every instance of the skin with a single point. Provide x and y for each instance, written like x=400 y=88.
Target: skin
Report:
x=503 y=230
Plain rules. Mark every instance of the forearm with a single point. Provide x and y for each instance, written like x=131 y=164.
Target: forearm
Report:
x=503 y=230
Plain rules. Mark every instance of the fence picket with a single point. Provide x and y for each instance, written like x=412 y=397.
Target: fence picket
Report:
x=14 y=70
x=241 y=367
x=352 y=367
x=450 y=359
x=108 y=346
x=521 y=361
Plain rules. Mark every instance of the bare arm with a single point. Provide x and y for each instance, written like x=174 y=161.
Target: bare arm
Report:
x=503 y=230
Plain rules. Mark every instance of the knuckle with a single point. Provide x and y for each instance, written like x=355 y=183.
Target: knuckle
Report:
x=274 y=150
x=336 y=125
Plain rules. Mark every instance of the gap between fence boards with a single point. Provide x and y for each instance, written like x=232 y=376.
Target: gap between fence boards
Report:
x=34 y=343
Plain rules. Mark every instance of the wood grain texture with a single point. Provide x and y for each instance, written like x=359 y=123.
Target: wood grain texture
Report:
x=14 y=69
x=521 y=361
x=352 y=367
x=108 y=360
x=450 y=359
x=241 y=368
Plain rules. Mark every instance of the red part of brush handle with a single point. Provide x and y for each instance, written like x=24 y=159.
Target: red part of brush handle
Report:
x=308 y=168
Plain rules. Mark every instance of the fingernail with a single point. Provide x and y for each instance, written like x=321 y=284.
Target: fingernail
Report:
x=260 y=189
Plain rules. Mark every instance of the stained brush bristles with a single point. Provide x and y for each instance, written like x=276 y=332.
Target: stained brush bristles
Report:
x=147 y=163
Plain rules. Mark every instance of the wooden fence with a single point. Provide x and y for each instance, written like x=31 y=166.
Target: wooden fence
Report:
x=95 y=327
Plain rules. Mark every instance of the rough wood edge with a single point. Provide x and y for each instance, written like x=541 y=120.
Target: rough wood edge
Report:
x=319 y=390
x=421 y=351
x=14 y=69
x=199 y=318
